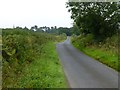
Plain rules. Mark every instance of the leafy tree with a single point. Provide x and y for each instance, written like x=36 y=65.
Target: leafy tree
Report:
x=75 y=30
x=97 y=18
x=25 y=28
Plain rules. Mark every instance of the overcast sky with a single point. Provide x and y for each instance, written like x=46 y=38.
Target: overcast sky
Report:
x=34 y=12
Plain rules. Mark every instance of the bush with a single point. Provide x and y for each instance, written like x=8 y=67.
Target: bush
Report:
x=82 y=41
x=19 y=49
x=106 y=51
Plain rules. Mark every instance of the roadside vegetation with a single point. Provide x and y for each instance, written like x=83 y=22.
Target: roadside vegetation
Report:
x=105 y=52
x=97 y=25
x=29 y=59
x=0 y=59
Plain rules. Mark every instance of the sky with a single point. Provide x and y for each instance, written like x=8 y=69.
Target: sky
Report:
x=34 y=12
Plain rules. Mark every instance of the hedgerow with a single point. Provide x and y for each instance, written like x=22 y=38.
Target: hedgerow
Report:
x=19 y=49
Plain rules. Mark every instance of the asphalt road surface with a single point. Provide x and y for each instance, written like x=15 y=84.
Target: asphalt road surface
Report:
x=83 y=71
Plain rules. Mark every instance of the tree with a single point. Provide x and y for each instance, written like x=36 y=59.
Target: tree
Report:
x=34 y=28
x=97 y=18
x=25 y=28
x=75 y=30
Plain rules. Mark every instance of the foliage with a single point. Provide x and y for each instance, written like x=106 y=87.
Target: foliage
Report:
x=98 y=25
x=60 y=30
x=20 y=48
x=55 y=30
x=97 y=18
x=45 y=72
x=105 y=52
x=75 y=30
x=82 y=40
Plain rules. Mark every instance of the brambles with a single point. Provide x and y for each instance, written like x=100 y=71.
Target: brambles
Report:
x=20 y=48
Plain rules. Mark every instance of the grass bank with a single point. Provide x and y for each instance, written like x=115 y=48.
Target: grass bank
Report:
x=29 y=60
x=101 y=52
x=45 y=72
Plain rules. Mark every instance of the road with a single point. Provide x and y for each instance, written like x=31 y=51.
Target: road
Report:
x=83 y=71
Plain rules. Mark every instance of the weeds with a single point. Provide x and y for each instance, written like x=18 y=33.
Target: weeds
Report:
x=105 y=52
x=21 y=48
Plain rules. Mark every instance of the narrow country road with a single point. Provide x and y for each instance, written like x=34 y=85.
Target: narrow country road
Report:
x=82 y=71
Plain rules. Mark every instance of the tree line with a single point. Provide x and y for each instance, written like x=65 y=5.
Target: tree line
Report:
x=51 y=30
x=56 y=30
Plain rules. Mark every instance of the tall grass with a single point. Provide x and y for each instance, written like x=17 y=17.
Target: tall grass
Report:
x=20 y=48
x=44 y=72
x=105 y=52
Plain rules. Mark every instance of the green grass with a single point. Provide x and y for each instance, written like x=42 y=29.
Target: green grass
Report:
x=44 y=72
x=105 y=56
x=29 y=60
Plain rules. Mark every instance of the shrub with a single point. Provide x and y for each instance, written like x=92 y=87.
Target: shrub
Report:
x=19 y=49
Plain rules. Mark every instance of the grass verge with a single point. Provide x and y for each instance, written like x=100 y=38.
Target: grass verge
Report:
x=44 y=72
x=29 y=60
x=106 y=57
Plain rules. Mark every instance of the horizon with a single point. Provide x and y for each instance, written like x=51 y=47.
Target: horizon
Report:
x=33 y=26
